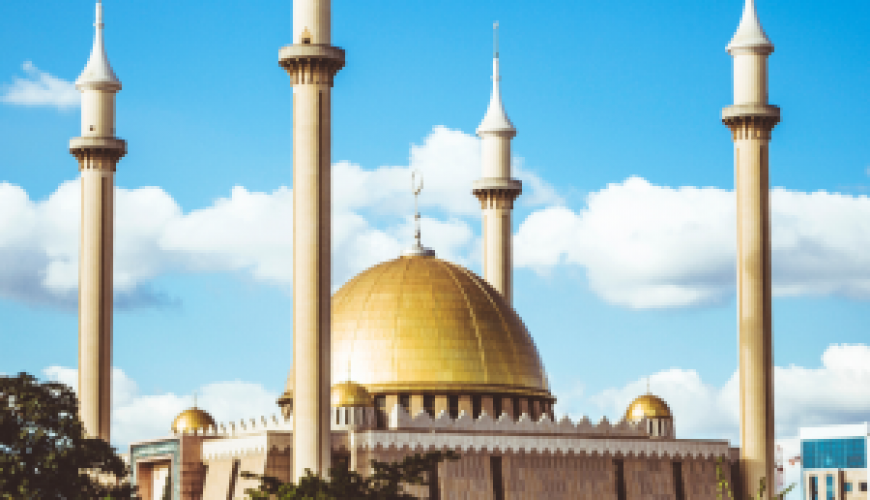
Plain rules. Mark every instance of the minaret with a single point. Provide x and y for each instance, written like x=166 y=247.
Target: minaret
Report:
x=497 y=190
x=98 y=152
x=311 y=62
x=751 y=120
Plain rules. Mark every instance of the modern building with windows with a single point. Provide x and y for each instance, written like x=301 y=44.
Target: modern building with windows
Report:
x=834 y=462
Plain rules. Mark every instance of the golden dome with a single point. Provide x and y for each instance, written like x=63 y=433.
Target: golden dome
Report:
x=192 y=419
x=647 y=406
x=347 y=394
x=420 y=324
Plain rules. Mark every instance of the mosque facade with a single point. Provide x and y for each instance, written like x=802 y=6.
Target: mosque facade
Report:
x=419 y=354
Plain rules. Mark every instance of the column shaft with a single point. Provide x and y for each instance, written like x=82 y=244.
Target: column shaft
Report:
x=95 y=294
x=497 y=255
x=754 y=309
x=311 y=277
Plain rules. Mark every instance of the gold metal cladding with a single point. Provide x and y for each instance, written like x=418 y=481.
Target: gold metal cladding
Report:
x=647 y=406
x=420 y=324
x=311 y=63
x=97 y=152
x=192 y=419
x=349 y=394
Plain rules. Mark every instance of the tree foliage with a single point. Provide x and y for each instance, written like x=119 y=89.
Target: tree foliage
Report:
x=43 y=449
x=385 y=483
x=723 y=487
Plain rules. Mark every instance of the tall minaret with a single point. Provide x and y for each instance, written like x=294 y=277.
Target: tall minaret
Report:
x=311 y=63
x=497 y=190
x=751 y=120
x=98 y=152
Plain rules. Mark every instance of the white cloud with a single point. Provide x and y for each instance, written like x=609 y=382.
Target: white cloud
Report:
x=137 y=416
x=836 y=392
x=646 y=246
x=39 y=88
x=249 y=233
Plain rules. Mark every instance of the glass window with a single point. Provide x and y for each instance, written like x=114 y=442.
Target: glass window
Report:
x=847 y=487
x=847 y=453
x=814 y=488
x=829 y=482
x=863 y=486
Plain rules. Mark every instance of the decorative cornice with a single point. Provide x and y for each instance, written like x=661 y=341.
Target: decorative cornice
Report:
x=751 y=121
x=496 y=192
x=103 y=148
x=311 y=64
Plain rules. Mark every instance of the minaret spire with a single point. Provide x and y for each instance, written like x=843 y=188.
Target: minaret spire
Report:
x=496 y=119
x=750 y=34
x=497 y=190
x=98 y=73
x=751 y=120
x=98 y=151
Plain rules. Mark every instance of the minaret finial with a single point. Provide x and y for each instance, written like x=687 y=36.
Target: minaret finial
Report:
x=647 y=385
x=750 y=35
x=98 y=74
x=194 y=399
x=495 y=39
x=416 y=188
x=496 y=119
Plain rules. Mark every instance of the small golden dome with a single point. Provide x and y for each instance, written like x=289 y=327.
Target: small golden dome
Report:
x=192 y=419
x=647 y=406
x=347 y=394
x=421 y=324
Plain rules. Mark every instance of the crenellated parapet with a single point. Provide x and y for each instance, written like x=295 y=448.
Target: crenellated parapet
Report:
x=244 y=427
x=615 y=446
x=400 y=419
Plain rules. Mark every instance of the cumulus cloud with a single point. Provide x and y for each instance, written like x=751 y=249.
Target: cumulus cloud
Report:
x=645 y=246
x=836 y=392
x=39 y=88
x=248 y=233
x=137 y=416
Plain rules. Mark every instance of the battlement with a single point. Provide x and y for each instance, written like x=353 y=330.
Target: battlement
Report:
x=244 y=427
x=400 y=419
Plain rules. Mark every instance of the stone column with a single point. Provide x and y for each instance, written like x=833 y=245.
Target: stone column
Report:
x=751 y=120
x=311 y=63
x=98 y=152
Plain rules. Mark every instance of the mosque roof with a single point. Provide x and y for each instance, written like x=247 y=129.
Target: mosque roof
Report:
x=98 y=73
x=750 y=34
x=421 y=324
x=349 y=394
x=647 y=406
x=192 y=419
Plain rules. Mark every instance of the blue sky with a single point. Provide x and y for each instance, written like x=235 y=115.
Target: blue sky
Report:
x=618 y=111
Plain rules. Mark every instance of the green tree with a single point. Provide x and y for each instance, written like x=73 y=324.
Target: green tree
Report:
x=385 y=483
x=724 y=487
x=43 y=450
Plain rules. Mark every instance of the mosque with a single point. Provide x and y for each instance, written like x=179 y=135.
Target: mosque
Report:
x=417 y=353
